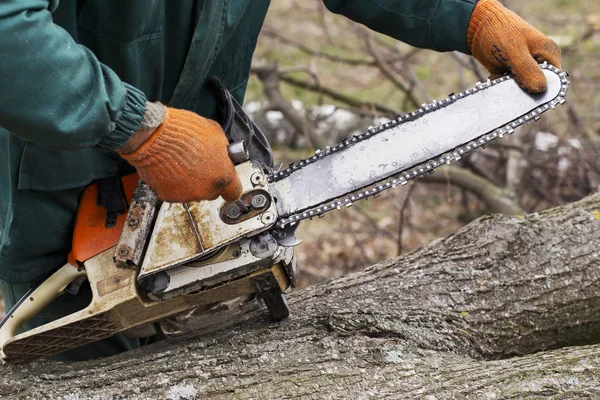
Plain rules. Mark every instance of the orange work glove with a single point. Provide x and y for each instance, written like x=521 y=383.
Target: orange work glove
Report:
x=186 y=159
x=503 y=42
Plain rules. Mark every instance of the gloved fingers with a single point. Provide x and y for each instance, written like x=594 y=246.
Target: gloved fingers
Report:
x=169 y=197
x=233 y=191
x=496 y=68
x=214 y=125
x=527 y=72
x=547 y=51
x=212 y=196
x=161 y=195
x=218 y=136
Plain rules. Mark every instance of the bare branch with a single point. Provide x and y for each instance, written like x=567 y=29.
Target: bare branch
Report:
x=401 y=217
x=389 y=73
x=338 y=96
x=269 y=76
x=497 y=199
x=373 y=223
x=315 y=53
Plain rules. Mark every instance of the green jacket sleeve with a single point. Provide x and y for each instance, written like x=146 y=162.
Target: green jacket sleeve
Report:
x=54 y=92
x=431 y=24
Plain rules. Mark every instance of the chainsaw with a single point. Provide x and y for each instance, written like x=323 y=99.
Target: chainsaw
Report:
x=160 y=260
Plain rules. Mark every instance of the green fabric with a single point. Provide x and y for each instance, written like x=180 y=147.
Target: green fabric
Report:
x=38 y=237
x=430 y=24
x=74 y=78
x=64 y=305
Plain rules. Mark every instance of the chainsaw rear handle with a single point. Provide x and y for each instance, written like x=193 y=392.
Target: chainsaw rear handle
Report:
x=37 y=299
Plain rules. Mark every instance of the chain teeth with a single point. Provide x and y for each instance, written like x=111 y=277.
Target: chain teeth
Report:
x=425 y=168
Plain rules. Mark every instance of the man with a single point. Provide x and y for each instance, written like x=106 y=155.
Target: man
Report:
x=81 y=82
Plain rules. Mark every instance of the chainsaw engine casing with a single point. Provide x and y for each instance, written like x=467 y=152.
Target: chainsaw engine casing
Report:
x=197 y=245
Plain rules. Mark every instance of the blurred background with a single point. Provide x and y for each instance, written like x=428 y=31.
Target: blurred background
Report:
x=318 y=77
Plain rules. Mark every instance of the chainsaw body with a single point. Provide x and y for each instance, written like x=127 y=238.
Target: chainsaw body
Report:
x=118 y=305
x=163 y=259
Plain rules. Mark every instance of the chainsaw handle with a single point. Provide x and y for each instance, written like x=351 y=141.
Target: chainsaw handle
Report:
x=37 y=299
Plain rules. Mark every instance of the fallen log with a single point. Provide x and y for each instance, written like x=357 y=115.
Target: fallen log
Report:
x=508 y=307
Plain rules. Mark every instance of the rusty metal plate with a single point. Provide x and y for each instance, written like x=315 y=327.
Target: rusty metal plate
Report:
x=137 y=228
x=173 y=239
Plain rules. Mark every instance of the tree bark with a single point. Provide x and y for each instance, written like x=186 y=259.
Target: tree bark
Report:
x=485 y=313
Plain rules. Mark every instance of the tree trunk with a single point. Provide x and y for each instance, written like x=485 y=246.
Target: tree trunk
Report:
x=473 y=315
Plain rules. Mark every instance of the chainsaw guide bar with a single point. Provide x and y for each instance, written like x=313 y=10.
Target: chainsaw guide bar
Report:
x=335 y=177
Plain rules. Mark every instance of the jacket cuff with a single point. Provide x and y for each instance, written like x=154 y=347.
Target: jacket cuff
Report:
x=450 y=25
x=128 y=120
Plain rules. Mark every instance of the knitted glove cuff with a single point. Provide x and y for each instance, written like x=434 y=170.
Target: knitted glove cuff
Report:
x=480 y=15
x=154 y=116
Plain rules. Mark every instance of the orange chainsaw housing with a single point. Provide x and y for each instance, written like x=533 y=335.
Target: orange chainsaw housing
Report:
x=90 y=236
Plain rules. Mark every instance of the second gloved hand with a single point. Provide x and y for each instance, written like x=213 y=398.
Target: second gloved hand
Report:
x=186 y=159
x=503 y=42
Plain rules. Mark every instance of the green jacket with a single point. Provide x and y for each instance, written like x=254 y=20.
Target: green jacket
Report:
x=74 y=78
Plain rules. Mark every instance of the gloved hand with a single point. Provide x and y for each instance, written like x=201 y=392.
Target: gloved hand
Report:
x=503 y=42
x=186 y=159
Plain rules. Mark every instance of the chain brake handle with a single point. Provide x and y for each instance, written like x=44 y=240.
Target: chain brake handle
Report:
x=239 y=127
